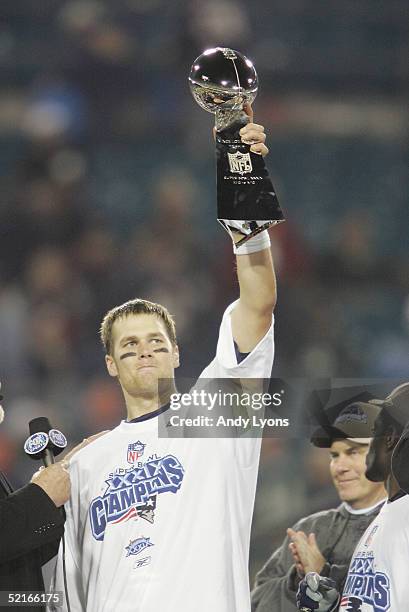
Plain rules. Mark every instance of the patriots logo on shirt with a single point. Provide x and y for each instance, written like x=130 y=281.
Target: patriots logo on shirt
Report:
x=147 y=512
x=135 y=451
x=351 y=604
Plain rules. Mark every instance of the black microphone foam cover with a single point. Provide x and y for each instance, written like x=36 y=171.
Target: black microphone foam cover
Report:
x=39 y=424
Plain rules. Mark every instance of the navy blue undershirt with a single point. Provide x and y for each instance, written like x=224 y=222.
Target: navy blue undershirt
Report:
x=151 y=415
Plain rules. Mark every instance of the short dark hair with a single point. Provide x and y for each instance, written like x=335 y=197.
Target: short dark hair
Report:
x=134 y=307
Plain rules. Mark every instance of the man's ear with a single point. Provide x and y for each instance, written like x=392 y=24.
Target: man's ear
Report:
x=111 y=365
x=176 y=359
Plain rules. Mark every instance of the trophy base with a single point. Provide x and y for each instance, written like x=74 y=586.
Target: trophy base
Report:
x=241 y=231
x=244 y=188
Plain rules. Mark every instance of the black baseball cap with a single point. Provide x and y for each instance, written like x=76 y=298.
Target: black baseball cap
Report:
x=351 y=420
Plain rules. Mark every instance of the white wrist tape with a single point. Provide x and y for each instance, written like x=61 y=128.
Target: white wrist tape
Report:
x=257 y=243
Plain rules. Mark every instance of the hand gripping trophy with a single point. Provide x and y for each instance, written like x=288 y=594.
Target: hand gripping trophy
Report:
x=222 y=81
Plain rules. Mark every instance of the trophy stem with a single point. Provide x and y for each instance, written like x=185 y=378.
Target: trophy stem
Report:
x=246 y=198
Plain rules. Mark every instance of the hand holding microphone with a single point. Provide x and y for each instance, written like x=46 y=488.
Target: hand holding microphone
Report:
x=55 y=481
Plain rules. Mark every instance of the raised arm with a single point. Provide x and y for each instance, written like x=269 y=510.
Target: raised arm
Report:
x=251 y=318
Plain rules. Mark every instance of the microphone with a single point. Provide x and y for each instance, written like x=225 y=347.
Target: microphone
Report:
x=44 y=442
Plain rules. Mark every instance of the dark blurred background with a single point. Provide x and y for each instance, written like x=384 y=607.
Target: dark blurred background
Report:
x=108 y=193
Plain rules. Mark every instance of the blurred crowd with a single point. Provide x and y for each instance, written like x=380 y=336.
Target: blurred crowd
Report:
x=108 y=193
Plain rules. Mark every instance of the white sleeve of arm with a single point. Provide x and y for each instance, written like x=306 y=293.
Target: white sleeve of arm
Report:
x=257 y=364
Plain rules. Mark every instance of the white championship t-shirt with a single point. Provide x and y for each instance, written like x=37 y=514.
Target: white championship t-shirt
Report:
x=377 y=578
x=163 y=524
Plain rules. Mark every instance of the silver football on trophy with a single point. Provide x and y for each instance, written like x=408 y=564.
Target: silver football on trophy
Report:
x=222 y=81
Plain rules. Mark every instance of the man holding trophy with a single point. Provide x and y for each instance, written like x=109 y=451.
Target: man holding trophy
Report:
x=161 y=523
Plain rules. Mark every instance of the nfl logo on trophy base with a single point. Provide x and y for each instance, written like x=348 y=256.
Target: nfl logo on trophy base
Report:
x=240 y=163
